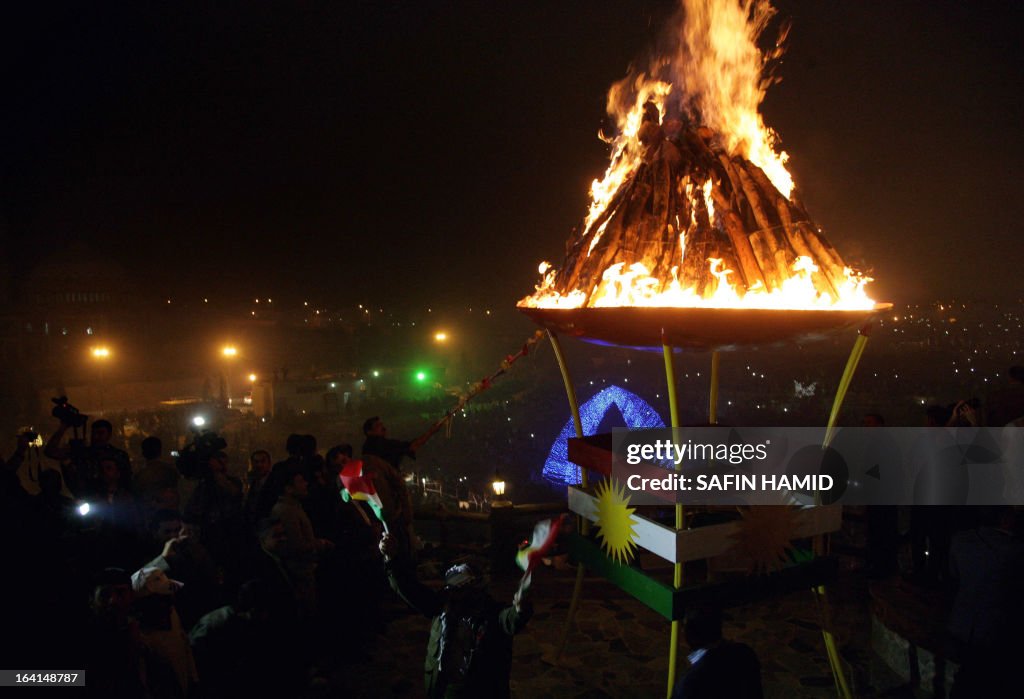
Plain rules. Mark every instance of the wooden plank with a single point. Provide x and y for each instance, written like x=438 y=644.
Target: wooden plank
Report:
x=593 y=453
x=703 y=542
x=752 y=588
x=708 y=542
x=654 y=594
x=671 y=603
x=650 y=535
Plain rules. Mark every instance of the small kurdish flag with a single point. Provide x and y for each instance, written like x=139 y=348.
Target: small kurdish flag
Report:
x=356 y=485
x=545 y=534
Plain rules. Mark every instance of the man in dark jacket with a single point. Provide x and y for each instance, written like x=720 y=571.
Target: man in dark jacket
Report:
x=469 y=653
x=719 y=669
x=391 y=450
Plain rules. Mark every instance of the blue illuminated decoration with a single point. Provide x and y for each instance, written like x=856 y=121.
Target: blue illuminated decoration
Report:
x=637 y=413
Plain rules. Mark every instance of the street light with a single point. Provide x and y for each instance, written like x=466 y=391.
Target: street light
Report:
x=229 y=351
x=440 y=336
x=199 y=421
x=498 y=485
x=101 y=354
x=252 y=378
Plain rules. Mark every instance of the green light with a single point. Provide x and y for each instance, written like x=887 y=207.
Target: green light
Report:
x=421 y=376
x=376 y=373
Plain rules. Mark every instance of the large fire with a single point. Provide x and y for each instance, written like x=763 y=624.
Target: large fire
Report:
x=697 y=208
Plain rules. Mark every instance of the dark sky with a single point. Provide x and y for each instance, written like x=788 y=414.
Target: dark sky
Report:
x=438 y=151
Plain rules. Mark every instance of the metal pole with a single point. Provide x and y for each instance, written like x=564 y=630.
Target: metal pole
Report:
x=677 y=570
x=844 y=382
x=570 y=393
x=834 y=659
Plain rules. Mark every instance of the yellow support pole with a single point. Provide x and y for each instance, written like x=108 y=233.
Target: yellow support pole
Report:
x=713 y=398
x=677 y=571
x=570 y=392
x=844 y=382
x=831 y=649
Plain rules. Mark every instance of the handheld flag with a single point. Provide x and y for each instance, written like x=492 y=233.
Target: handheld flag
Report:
x=357 y=485
x=530 y=553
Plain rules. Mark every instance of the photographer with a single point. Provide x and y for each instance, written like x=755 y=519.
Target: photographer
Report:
x=80 y=463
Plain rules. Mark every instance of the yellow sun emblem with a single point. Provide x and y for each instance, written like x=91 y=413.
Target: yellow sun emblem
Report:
x=764 y=536
x=615 y=521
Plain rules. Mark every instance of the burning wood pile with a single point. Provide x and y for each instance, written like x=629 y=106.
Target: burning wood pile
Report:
x=662 y=219
x=696 y=208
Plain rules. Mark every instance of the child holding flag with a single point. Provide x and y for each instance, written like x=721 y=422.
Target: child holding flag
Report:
x=469 y=653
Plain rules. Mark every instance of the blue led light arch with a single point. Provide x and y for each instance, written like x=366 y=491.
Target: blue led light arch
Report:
x=637 y=413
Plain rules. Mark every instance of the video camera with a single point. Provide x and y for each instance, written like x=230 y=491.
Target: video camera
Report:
x=67 y=413
x=194 y=459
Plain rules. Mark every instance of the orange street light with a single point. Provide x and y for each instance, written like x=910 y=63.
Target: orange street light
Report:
x=229 y=351
x=100 y=352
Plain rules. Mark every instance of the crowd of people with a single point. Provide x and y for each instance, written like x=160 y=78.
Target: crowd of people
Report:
x=166 y=586
x=164 y=581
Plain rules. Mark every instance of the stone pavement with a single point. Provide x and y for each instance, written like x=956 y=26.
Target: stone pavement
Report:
x=618 y=647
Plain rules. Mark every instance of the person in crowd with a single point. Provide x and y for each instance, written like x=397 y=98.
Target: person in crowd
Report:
x=169 y=664
x=268 y=566
x=323 y=498
x=279 y=474
x=114 y=649
x=987 y=563
x=300 y=552
x=81 y=463
x=338 y=456
x=183 y=557
x=216 y=507
x=309 y=452
x=56 y=511
x=234 y=648
x=719 y=669
x=256 y=476
x=390 y=450
x=113 y=517
x=469 y=653
x=154 y=478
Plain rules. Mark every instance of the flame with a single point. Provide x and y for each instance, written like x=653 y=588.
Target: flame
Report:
x=721 y=67
x=715 y=77
x=633 y=285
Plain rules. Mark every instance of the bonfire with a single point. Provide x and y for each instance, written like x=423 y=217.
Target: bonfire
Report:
x=697 y=208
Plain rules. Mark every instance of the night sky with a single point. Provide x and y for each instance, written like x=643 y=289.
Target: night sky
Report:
x=433 y=152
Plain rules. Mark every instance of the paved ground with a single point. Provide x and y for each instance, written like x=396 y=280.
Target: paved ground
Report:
x=618 y=647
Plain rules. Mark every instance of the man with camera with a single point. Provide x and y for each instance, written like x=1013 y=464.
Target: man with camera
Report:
x=80 y=463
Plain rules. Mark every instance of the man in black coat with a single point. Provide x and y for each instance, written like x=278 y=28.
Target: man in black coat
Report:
x=391 y=450
x=719 y=669
x=469 y=653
